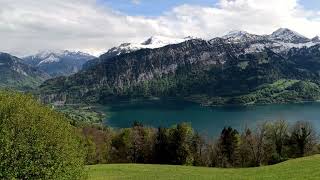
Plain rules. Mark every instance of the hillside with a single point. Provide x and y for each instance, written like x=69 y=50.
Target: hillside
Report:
x=303 y=168
x=15 y=74
x=225 y=70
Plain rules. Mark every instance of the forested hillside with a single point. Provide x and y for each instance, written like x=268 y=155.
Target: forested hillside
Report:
x=209 y=72
x=15 y=74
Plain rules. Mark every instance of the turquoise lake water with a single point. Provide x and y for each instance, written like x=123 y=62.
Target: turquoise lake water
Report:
x=208 y=120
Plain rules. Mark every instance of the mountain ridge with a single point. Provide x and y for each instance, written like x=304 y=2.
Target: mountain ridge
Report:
x=15 y=74
x=59 y=62
x=152 y=42
x=223 y=70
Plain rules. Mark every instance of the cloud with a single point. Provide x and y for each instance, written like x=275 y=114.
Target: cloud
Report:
x=136 y=1
x=27 y=26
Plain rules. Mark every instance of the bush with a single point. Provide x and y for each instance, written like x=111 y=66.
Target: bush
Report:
x=36 y=142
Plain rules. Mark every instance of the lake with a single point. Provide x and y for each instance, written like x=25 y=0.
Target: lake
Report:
x=207 y=120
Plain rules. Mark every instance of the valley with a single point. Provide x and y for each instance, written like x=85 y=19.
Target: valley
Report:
x=137 y=89
x=236 y=69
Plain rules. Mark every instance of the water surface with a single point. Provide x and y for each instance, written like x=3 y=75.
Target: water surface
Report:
x=208 y=120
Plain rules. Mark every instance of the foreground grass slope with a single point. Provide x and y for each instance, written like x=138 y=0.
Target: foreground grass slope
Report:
x=303 y=168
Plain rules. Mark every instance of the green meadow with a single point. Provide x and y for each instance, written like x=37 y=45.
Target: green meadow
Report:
x=302 y=168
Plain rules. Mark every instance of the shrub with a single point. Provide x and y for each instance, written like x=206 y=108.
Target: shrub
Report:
x=36 y=142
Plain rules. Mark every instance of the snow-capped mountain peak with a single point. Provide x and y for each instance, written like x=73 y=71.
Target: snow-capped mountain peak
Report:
x=288 y=36
x=280 y=41
x=316 y=39
x=151 y=43
x=58 y=62
x=284 y=32
x=235 y=33
x=240 y=36
x=58 y=53
x=159 y=41
x=50 y=59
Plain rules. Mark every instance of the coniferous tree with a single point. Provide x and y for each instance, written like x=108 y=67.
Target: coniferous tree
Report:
x=229 y=147
x=161 y=151
x=303 y=139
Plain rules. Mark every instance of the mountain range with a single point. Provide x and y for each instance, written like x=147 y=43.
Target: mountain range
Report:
x=16 y=74
x=55 y=63
x=238 y=68
x=58 y=63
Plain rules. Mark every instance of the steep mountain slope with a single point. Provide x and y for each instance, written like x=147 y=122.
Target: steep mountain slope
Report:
x=58 y=63
x=151 y=43
x=288 y=36
x=225 y=70
x=15 y=74
x=280 y=41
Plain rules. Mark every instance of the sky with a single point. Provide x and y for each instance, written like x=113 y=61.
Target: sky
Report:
x=152 y=8
x=94 y=26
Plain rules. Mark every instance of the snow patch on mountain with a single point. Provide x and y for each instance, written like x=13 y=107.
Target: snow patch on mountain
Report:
x=55 y=56
x=160 y=41
x=288 y=36
x=58 y=62
x=280 y=41
x=278 y=47
x=50 y=59
x=151 y=43
x=316 y=39
x=241 y=36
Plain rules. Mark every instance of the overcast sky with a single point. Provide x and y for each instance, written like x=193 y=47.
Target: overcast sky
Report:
x=27 y=26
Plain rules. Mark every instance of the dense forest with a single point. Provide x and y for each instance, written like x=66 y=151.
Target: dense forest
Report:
x=268 y=143
x=39 y=143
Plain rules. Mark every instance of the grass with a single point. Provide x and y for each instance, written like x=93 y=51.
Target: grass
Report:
x=83 y=113
x=302 y=168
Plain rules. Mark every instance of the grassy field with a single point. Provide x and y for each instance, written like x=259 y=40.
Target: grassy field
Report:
x=303 y=168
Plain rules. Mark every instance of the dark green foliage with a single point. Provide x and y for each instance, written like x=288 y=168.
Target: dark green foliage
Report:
x=180 y=144
x=121 y=146
x=133 y=145
x=302 y=139
x=229 y=147
x=198 y=150
x=36 y=142
x=269 y=143
x=278 y=136
x=247 y=150
x=97 y=144
x=161 y=147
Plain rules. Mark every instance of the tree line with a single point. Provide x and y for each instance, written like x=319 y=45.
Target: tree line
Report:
x=268 y=143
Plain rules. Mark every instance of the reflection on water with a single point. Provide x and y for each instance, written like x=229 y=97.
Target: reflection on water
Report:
x=207 y=120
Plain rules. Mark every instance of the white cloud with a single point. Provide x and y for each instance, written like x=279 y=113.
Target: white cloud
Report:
x=27 y=26
x=136 y=1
